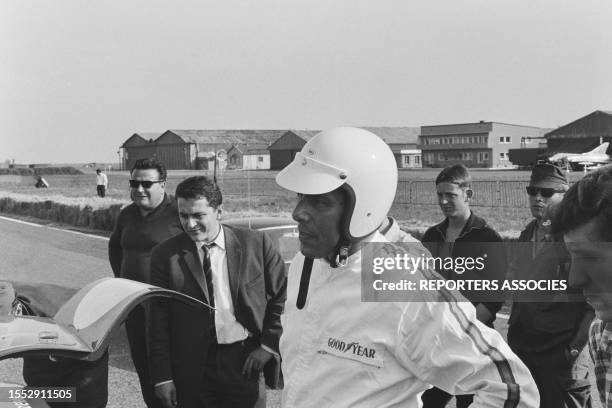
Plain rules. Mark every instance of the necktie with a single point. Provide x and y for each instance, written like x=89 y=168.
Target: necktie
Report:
x=209 y=286
x=208 y=272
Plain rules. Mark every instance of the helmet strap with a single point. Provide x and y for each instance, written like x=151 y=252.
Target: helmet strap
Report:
x=341 y=258
x=304 y=283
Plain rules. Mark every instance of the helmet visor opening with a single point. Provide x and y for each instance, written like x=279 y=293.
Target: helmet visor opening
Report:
x=306 y=175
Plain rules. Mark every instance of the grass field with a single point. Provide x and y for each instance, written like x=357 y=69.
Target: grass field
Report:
x=256 y=193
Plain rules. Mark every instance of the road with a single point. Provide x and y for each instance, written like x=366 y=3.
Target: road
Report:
x=33 y=254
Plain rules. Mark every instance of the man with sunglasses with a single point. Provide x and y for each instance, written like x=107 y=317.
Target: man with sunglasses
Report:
x=549 y=335
x=150 y=219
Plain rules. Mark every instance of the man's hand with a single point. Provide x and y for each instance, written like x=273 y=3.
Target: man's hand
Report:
x=483 y=314
x=167 y=394
x=255 y=362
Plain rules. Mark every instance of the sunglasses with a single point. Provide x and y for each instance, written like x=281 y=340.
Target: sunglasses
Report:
x=544 y=192
x=144 y=184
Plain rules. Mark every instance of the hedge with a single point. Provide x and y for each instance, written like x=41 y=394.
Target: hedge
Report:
x=78 y=215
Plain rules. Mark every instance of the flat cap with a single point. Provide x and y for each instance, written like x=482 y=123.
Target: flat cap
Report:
x=547 y=176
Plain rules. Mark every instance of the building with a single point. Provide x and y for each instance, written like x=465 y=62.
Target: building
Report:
x=403 y=143
x=138 y=146
x=284 y=149
x=581 y=135
x=481 y=144
x=193 y=148
x=410 y=159
x=399 y=139
x=248 y=157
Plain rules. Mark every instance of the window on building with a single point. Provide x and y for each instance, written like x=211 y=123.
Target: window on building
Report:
x=407 y=160
x=501 y=139
x=260 y=159
x=507 y=139
x=502 y=156
x=483 y=157
x=417 y=159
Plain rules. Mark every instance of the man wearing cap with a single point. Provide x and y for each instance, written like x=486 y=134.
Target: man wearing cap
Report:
x=341 y=349
x=549 y=335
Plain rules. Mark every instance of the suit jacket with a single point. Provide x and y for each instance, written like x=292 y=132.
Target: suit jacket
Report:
x=180 y=334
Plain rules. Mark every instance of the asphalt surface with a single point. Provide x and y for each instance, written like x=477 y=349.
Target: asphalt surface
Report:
x=35 y=254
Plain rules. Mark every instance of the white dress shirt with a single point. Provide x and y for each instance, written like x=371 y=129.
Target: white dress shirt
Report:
x=228 y=329
x=101 y=180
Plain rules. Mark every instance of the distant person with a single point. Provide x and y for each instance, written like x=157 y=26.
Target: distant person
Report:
x=204 y=359
x=101 y=183
x=549 y=337
x=89 y=378
x=150 y=219
x=41 y=182
x=584 y=217
x=461 y=235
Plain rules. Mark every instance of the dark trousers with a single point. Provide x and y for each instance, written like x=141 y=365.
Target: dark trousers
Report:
x=136 y=333
x=89 y=378
x=101 y=191
x=436 y=398
x=560 y=384
x=223 y=384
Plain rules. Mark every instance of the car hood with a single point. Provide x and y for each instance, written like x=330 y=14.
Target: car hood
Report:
x=83 y=326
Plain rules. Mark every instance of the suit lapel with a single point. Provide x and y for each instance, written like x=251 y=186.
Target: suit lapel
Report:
x=192 y=260
x=233 y=255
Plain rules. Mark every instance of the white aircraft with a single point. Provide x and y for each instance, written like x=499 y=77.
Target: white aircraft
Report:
x=597 y=156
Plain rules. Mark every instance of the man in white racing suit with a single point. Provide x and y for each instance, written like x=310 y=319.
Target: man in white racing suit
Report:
x=338 y=351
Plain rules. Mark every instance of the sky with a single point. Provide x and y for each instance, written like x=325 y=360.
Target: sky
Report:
x=77 y=78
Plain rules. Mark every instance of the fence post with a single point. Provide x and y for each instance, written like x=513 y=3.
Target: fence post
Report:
x=410 y=192
x=499 y=198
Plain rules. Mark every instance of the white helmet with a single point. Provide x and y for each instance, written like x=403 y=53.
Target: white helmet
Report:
x=360 y=162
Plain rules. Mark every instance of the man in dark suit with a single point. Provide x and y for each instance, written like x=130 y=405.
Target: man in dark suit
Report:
x=213 y=359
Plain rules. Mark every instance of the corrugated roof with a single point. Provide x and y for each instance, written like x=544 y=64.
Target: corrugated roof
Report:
x=257 y=151
x=561 y=129
x=255 y=148
x=135 y=136
x=305 y=134
x=396 y=135
x=148 y=135
x=391 y=135
x=229 y=136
